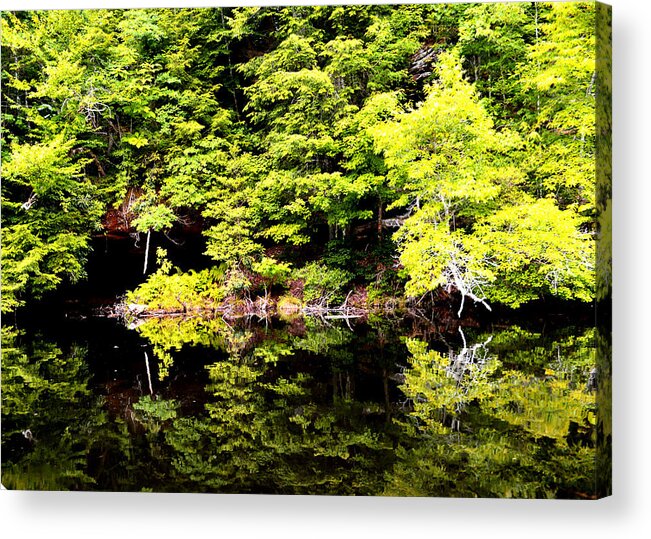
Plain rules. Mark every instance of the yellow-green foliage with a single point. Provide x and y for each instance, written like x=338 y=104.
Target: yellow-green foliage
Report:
x=322 y=282
x=436 y=391
x=272 y=271
x=474 y=226
x=537 y=248
x=169 y=289
x=543 y=405
x=476 y=124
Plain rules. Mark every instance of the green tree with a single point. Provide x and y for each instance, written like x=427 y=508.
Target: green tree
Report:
x=49 y=210
x=270 y=128
x=559 y=80
x=493 y=43
x=459 y=177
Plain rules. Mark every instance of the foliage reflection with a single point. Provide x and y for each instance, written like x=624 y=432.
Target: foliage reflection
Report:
x=482 y=428
x=307 y=408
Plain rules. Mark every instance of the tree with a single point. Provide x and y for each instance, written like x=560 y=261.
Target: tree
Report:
x=493 y=43
x=559 y=80
x=460 y=177
x=450 y=168
x=49 y=210
x=538 y=249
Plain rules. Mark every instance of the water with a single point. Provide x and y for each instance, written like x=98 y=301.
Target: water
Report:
x=378 y=406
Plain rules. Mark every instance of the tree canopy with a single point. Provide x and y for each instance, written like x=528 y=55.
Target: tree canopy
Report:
x=451 y=147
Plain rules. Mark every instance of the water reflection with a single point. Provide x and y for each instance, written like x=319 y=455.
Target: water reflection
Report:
x=301 y=407
x=481 y=427
x=49 y=415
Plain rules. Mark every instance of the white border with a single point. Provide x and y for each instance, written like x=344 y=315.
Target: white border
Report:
x=626 y=514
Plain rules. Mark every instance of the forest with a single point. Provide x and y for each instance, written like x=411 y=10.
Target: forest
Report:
x=345 y=250
x=362 y=156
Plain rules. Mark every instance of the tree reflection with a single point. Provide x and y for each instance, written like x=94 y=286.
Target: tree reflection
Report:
x=273 y=429
x=305 y=408
x=481 y=428
x=49 y=415
x=168 y=334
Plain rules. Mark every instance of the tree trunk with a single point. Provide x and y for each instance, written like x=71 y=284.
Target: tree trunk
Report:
x=379 y=220
x=151 y=389
x=144 y=271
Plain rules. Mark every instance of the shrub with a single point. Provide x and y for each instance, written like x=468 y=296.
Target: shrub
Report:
x=322 y=282
x=169 y=289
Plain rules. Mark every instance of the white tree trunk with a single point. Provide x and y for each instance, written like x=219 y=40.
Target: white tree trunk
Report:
x=151 y=389
x=144 y=271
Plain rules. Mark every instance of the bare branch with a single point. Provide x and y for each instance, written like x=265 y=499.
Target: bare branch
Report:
x=30 y=202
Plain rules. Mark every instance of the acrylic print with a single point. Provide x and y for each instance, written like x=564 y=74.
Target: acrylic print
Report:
x=332 y=250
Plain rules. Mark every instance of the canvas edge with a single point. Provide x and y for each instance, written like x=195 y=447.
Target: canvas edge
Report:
x=603 y=303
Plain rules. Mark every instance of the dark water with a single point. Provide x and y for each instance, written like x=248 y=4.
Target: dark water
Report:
x=387 y=406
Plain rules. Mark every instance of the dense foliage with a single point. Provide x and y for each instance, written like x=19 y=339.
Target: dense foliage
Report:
x=413 y=148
